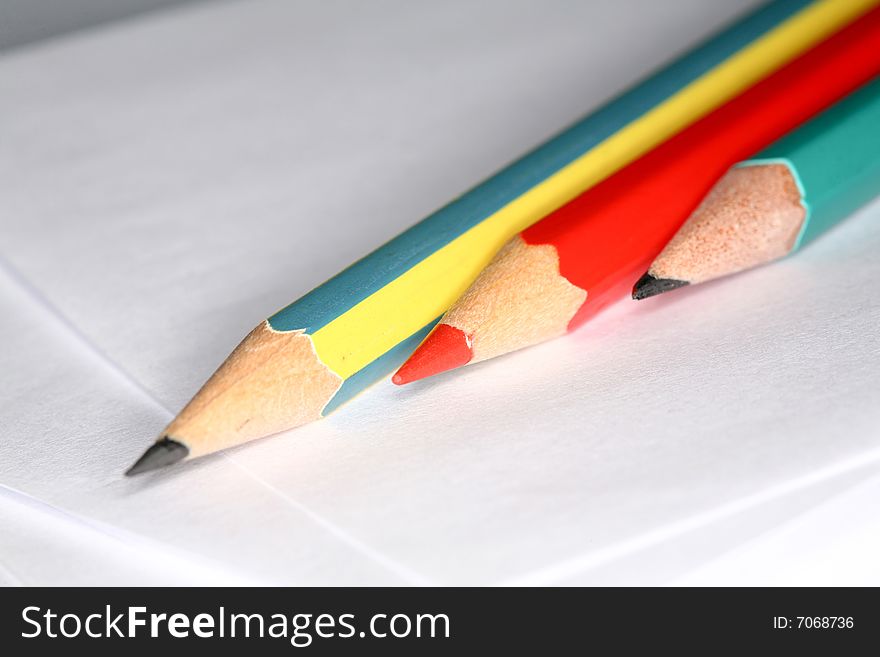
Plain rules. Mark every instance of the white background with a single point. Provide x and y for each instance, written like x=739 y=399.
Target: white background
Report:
x=168 y=182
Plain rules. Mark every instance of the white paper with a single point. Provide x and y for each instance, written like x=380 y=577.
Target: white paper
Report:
x=835 y=544
x=42 y=545
x=169 y=182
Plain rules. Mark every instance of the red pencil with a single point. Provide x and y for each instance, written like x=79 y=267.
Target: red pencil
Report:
x=567 y=267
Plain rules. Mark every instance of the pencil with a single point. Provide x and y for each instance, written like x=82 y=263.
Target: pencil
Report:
x=317 y=353
x=774 y=203
x=568 y=266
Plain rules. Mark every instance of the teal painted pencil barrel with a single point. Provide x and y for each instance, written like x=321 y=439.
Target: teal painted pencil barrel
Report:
x=835 y=159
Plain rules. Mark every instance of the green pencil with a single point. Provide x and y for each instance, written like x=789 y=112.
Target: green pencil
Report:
x=778 y=201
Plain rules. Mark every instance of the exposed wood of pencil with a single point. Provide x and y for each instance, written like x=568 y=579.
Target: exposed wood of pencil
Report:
x=271 y=382
x=752 y=216
x=521 y=276
x=496 y=315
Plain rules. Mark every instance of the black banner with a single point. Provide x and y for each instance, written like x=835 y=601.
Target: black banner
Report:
x=432 y=621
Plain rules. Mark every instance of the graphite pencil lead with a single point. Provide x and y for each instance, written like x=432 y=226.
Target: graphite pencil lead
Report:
x=649 y=286
x=162 y=453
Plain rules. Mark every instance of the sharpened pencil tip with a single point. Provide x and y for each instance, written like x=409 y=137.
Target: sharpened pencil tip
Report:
x=445 y=348
x=163 y=452
x=648 y=286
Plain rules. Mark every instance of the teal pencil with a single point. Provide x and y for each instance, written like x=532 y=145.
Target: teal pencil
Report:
x=774 y=203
